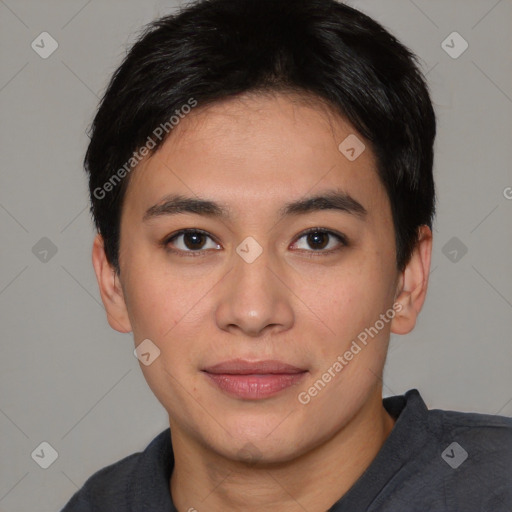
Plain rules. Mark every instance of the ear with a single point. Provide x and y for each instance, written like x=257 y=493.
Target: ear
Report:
x=412 y=284
x=110 y=288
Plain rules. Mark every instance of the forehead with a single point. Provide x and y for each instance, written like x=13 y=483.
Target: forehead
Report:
x=255 y=149
x=284 y=124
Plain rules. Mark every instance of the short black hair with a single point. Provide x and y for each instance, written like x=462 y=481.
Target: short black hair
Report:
x=211 y=50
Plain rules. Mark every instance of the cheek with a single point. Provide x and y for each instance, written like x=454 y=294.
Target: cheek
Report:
x=356 y=290
x=151 y=304
x=169 y=308
x=347 y=300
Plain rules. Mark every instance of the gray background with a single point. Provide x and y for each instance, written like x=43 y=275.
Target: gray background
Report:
x=68 y=379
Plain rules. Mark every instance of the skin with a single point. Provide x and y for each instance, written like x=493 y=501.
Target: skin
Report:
x=254 y=154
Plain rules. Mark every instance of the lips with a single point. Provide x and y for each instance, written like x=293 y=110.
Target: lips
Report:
x=253 y=380
x=241 y=367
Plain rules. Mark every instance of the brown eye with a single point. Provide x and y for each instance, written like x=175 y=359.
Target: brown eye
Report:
x=193 y=240
x=190 y=240
x=317 y=240
x=322 y=241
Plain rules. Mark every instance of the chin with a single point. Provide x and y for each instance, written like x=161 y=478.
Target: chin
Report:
x=255 y=446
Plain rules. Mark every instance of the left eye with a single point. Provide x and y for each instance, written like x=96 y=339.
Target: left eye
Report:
x=321 y=240
x=192 y=240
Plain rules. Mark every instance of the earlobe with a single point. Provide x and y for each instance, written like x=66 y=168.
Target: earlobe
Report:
x=413 y=284
x=110 y=288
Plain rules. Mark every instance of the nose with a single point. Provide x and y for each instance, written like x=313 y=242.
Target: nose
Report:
x=255 y=298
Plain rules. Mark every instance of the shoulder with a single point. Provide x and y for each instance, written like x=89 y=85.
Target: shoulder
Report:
x=486 y=430
x=476 y=450
x=448 y=424
x=105 y=487
x=112 y=487
x=449 y=460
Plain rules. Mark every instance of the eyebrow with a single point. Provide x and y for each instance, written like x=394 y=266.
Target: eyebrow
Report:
x=330 y=200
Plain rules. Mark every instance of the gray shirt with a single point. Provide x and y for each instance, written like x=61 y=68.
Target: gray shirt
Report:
x=433 y=460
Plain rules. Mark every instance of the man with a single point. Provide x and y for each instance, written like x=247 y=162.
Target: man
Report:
x=261 y=182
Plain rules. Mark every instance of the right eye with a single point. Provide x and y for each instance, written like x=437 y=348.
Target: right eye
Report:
x=190 y=241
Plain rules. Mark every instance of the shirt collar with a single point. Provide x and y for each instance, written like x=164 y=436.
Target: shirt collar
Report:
x=152 y=475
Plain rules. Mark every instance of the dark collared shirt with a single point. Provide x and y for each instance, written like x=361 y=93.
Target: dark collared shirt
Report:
x=433 y=460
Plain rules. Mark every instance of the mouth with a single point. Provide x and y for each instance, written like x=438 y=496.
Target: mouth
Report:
x=254 y=380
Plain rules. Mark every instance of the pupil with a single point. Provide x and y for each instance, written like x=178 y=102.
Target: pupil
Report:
x=313 y=239
x=196 y=237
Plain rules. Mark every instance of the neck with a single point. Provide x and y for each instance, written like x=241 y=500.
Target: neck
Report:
x=204 y=480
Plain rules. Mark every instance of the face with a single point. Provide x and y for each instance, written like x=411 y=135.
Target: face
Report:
x=254 y=305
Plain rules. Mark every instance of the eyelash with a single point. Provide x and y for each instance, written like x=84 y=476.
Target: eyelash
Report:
x=201 y=252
